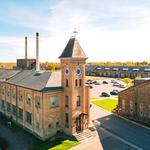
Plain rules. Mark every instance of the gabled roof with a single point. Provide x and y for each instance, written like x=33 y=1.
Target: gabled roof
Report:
x=37 y=80
x=6 y=74
x=73 y=50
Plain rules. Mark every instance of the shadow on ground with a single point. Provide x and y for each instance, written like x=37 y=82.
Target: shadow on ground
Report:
x=105 y=133
x=15 y=137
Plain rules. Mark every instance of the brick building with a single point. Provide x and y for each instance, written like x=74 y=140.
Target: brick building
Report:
x=118 y=71
x=47 y=102
x=134 y=102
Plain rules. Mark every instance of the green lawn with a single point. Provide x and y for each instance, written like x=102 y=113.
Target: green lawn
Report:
x=108 y=104
x=55 y=144
x=65 y=145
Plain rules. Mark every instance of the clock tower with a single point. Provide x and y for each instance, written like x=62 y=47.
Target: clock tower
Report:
x=76 y=95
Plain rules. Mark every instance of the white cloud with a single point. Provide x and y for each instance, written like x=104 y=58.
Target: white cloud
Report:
x=108 y=30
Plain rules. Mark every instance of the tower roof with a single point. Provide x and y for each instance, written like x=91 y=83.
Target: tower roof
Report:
x=73 y=50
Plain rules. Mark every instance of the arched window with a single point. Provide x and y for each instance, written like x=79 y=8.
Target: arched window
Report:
x=80 y=82
x=76 y=82
x=67 y=83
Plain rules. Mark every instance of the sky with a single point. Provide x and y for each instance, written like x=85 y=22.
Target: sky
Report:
x=108 y=30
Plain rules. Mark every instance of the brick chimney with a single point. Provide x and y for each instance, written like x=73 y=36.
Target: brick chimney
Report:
x=37 y=52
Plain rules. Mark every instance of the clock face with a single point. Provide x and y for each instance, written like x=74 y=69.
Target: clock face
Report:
x=66 y=71
x=78 y=71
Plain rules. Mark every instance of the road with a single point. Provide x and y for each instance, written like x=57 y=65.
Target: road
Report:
x=118 y=134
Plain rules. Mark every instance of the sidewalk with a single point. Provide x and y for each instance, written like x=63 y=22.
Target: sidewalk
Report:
x=89 y=144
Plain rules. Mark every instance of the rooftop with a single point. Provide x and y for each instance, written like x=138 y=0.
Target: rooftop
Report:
x=41 y=81
x=73 y=50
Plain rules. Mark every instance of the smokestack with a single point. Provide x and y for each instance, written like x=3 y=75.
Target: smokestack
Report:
x=37 y=52
x=26 y=53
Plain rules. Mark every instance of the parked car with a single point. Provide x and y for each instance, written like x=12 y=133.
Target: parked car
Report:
x=96 y=83
x=113 y=81
x=90 y=86
x=104 y=94
x=116 y=84
x=114 y=92
x=89 y=82
x=122 y=86
x=105 y=82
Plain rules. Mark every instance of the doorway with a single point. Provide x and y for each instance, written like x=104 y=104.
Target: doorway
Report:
x=78 y=123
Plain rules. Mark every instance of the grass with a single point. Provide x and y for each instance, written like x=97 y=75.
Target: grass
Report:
x=108 y=104
x=56 y=144
x=65 y=145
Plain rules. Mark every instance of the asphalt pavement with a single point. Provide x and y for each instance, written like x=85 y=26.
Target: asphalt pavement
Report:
x=98 y=89
x=119 y=134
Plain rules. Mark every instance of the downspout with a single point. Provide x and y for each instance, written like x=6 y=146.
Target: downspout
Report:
x=16 y=104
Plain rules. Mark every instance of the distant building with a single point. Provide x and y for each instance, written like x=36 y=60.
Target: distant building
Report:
x=26 y=63
x=118 y=71
x=47 y=102
x=134 y=102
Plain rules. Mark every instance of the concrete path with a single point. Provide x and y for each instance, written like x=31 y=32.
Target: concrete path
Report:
x=89 y=144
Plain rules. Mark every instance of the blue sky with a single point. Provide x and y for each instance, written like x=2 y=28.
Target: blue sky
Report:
x=110 y=30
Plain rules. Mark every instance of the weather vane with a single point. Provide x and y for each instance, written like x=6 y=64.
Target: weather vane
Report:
x=75 y=32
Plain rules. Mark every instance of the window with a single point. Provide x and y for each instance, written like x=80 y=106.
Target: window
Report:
x=131 y=107
x=66 y=101
x=50 y=126
x=66 y=120
x=13 y=93
x=20 y=96
x=28 y=99
x=76 y=82
x=37 y=126
x=57 y=124
x=141 y=109
x=3 y=104
x=28 y=117
x=14 y=111
x=67 y=83
x=7 y=91
x=37 y=102
x=3 y=90
x=54 y=102
x=80 y=82
x=8 y=107
x=123 y=105
x=20 y=113
x=78 y=100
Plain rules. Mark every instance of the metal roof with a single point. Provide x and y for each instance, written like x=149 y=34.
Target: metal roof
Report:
x=73 y=50
x=42 y=81
x=36 y=80
x=6 y=74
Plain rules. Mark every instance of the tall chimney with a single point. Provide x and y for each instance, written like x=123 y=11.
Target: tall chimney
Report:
x=26 y=53
x=37 y=52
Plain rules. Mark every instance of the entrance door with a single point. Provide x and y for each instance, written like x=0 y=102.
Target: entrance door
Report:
x=78 y=123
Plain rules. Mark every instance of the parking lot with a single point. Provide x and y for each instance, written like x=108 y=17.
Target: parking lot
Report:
x=96 y=91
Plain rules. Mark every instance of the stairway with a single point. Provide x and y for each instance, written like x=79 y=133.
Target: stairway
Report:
x=86 y=134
